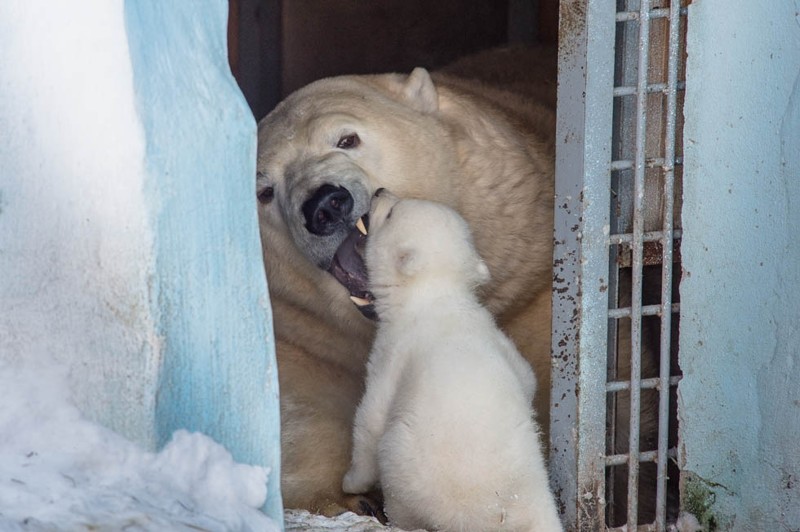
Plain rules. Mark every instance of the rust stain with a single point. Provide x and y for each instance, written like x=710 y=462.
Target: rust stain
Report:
x=651 y=254
x=572 y=23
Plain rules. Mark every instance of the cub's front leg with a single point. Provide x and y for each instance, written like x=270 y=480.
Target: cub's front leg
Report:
x=367 y=431
x=369 y=426
x=363 y=473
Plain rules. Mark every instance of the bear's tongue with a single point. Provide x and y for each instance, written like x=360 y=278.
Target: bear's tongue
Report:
x=349 y=269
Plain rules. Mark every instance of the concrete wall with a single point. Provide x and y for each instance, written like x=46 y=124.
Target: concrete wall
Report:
x=129 y=250
x=740 y=294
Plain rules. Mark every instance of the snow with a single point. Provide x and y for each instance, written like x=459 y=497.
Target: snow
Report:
x=60 y=471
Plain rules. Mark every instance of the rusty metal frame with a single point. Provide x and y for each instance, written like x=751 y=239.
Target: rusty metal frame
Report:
x=580 y=286
x=591 y=245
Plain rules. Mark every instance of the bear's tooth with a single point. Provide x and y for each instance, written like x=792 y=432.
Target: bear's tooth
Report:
x=361 y=227
x=359 y=301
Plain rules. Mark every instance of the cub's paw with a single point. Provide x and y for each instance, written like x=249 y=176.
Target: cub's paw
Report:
x=357 y=481
x=371 y=505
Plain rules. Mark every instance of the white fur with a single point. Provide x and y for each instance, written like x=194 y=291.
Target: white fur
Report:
x=485 y=151
x=445 y=425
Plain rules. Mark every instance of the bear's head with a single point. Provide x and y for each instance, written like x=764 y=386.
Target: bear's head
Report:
x=326 y=149
x=419 y=245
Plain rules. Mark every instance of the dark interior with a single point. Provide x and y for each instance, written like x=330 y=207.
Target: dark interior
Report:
x=278 y=46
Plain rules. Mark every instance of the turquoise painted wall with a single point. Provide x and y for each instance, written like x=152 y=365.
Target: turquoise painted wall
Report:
x=740 y=294
x=218 y=373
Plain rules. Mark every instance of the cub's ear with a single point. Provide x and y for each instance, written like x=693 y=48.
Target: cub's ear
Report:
x=483 y=273
x=420 y=92
x=407 y=261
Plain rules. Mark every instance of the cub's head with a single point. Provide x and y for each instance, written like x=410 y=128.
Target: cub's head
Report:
x=326 y=149
x=418 y=243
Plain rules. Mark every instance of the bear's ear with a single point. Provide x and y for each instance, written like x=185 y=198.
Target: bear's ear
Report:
x=407 y=261
x=420 y=92
x=483 y=273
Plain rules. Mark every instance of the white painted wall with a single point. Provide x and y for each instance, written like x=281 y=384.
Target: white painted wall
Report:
x=129 y=249
x=740 y=294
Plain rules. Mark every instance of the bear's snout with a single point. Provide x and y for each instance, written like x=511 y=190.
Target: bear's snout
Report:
x=326 y=209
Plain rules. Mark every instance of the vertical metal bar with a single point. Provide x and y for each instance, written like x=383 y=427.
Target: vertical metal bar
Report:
x=637 y=248
x=626 y=44
x=580 y=261
x=666 y=262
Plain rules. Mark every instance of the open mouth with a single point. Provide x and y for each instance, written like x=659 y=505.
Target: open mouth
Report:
x=349 y=269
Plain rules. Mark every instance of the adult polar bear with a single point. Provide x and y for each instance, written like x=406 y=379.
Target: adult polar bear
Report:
x=323 y=152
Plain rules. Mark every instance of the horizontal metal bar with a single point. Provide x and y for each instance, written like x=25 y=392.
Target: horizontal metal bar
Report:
x=655 y=162
x=652 y=252
x=639 y=528
x=659 y=12
x=650 y=236
x=652 y=527
x=630 y=90
x=645 y=456
x=647 y=310
x=644 y=384
x=622 y=459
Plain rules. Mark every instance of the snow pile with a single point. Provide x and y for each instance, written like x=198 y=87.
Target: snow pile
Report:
x=59 y=471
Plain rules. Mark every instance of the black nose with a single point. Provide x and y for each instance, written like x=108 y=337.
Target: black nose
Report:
x=326 y=209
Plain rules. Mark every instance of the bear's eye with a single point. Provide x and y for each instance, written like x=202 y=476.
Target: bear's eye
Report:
x=265 y=195
x=348 y=142
x=264 y=192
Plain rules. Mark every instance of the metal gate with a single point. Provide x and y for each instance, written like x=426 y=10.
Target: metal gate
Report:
x=616 y=264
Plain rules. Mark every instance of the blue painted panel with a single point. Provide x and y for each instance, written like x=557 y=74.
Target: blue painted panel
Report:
x=740 y=319
x=218 y=371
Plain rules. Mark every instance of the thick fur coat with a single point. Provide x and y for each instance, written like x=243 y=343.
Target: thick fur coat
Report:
x=486 y=152
x=445 y=425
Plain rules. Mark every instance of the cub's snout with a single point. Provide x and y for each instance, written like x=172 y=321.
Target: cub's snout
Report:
x=327 y=209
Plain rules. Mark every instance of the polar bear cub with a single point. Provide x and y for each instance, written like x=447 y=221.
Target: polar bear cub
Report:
x=445 y=425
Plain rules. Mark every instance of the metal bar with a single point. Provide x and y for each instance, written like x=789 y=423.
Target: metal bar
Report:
x=666 y=280
x=650 y=236
x=580 y=260
x=637 y=252
x=621 y=459
x=644 y=310
x=639 y=528
x=643 y=528
x=654 y=383
x=659 y=12
x=625 y=164
x=653 y=88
